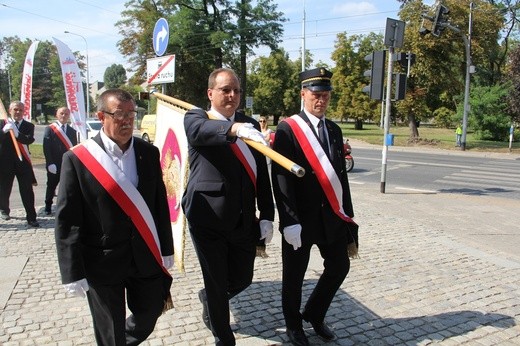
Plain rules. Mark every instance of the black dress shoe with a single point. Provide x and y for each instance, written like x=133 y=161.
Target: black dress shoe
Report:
x=205 y=314
x=33 y=223
x=48 y=211
x=5 y=216
x=297 y=337
x=323 y=331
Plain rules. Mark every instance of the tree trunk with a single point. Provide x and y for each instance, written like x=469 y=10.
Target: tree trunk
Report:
x=359 y=124
x=412 y=124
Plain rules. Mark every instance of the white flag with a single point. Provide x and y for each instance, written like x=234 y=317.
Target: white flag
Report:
x=73 y=87
x=27 y=79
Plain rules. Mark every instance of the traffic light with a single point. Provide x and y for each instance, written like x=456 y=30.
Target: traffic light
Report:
x=376 y=74
x=440 y=20
x=402 y=59
x=438 y=23
x=400 y=86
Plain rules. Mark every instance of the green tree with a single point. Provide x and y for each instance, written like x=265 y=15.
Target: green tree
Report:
x=274 y=81
x=489 y=117
x=437 y=78
x=349 y=101
x=203 y=34
x=114 y=76
x=255 y=26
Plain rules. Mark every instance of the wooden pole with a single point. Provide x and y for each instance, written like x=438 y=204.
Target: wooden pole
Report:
x=15 y=143
x=265 y=150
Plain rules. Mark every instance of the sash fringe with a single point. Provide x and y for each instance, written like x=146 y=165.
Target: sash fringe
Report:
x=168 y=303
x=352 y=251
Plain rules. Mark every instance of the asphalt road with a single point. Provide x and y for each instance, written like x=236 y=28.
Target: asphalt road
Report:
x=436 y=171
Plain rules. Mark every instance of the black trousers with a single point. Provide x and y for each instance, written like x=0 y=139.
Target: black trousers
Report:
x=336 y=267
x=227 y=261
x=52 y=182
x=145 y=299
x=25 y=177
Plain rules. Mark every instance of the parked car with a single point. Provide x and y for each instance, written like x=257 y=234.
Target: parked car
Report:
x=93 y=127
x=148 y=127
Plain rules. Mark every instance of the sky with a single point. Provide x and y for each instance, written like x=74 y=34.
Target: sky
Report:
x=93 y=21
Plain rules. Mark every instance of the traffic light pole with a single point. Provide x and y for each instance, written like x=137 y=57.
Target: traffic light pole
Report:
x=388 y=109
x=467 y=45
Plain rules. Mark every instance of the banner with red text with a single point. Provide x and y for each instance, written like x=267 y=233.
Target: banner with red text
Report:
x=27 y=79
x=73 y=87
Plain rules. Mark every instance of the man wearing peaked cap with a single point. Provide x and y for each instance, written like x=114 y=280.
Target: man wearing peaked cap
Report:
x=309 y=214
x=317 y=79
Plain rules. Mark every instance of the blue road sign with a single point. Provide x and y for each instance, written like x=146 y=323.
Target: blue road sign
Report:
x=161 y=35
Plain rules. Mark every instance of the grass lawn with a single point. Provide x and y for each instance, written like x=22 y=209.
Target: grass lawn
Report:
x=429 y=136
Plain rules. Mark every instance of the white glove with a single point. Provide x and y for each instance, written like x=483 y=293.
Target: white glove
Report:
x=167 y=261
x=247 y=130
x=52 y=168
x=10 y=126
x=266 y=230
x=77 y=288
x=292 y=235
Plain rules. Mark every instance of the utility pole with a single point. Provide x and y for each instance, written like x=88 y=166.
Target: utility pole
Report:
x=439 y=23
x=394 y=36
x=467 y=43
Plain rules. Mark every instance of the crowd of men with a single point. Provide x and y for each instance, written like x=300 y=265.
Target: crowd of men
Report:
x=112 y=225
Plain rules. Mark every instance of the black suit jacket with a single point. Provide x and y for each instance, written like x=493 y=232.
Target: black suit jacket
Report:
x=219 y=191
x=53 y=147
x=302 y=200
x=95 y=239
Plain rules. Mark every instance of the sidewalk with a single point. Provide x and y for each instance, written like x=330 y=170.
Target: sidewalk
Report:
x=425 y=277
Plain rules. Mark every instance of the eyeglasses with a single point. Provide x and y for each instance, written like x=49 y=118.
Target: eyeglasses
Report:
x=227 y=91
x=120 y=115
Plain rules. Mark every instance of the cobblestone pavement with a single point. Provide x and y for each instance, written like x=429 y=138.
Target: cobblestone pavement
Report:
x=419 y=281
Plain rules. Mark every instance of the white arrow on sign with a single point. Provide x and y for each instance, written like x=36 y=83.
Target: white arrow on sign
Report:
x=160 y=36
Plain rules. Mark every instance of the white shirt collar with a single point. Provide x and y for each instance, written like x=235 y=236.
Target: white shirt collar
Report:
x=314 y=119
x=112 y=147
x=125 y=161
x=220 y=116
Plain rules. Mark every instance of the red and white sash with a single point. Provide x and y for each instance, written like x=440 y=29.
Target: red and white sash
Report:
x=126 y=195
x=25 y=151
x=61 y=135
x=320 y=163
x=247 y=159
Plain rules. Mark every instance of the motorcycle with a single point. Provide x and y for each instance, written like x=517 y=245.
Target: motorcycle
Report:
x=349 y=160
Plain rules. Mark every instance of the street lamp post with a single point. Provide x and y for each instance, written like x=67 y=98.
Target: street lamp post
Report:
x=87 y=72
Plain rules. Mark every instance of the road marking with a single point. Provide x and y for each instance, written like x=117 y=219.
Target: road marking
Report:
x=416 y=190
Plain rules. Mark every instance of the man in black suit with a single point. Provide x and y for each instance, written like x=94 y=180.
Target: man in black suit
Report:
x=113 y=231
x=227 y=179
x=315 y=209
x=11 y=166
x=58 y=137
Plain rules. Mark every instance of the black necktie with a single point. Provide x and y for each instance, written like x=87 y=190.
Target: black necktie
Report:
x=63 y=127
x=17 y=124
x=323 y=139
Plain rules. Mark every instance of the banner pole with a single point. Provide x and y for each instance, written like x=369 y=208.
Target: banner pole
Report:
x=15 y=144
x=265 y=150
